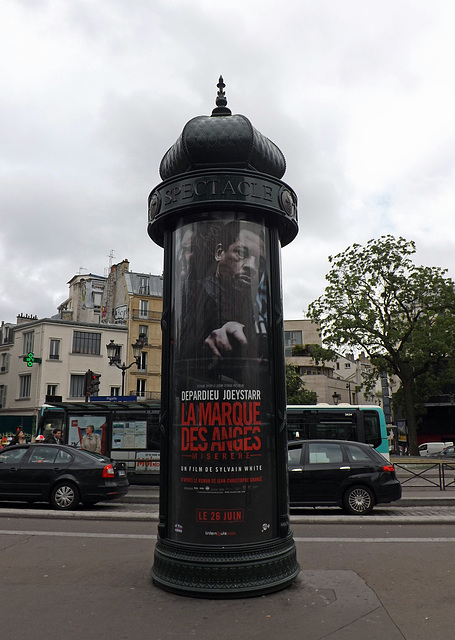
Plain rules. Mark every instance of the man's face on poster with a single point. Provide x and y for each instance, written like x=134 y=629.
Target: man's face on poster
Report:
x=243 y=260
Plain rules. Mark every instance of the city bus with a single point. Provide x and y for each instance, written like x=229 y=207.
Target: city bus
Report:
x=360 y=423
x=129 y=431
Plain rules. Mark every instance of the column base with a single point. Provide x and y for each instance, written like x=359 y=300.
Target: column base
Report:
x=220 y=572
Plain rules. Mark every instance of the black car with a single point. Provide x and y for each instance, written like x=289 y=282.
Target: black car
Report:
x=340 y=473
x=60 y=475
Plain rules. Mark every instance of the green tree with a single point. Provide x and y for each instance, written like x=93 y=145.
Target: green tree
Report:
x=295 y=391
x=402 y=315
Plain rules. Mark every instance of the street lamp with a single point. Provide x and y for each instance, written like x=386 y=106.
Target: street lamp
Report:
x=114 y=358
x=336 y=397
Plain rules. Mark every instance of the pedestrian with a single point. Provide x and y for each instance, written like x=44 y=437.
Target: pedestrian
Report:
x=91 y=441
x=19 y=438
x=55 y=438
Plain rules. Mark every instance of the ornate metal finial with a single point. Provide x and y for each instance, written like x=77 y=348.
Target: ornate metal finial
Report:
x=221 y=101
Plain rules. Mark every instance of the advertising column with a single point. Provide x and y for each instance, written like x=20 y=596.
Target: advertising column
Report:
x=224 y=526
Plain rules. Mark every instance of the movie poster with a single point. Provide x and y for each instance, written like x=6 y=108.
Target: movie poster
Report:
x=223 y=484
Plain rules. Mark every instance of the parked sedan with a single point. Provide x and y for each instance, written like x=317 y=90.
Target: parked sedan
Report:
x=60 y=475
x=350 y=475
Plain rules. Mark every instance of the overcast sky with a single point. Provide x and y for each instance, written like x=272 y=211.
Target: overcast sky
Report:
x=358 y=94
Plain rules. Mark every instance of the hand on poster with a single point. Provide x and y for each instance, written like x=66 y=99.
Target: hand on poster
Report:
x=220 y=341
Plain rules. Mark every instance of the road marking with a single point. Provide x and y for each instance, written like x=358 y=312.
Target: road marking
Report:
x=134 y=536
x=382 y=540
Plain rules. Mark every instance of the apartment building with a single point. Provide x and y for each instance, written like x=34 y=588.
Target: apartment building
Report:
x=135 y=300
x=334 y=382
x=46 y=359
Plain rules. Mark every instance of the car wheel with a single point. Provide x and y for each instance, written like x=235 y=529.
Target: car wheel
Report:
x=358 y=500
x=65 y=495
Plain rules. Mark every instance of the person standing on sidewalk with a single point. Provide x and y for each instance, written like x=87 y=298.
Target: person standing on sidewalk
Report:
x=91 y=441
x=55 y=438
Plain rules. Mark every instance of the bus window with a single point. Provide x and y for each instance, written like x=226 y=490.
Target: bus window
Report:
x=313 y=425
x=372 y=428
x=334 y=430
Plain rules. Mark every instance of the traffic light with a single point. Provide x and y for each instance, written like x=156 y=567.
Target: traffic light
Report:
x=96 y=383
x=88 y=383
x=91 y=383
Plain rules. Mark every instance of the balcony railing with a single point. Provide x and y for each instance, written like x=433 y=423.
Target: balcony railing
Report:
x=140 y=314
x=147 y=395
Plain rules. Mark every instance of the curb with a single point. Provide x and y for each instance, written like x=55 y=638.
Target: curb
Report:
x=130 y=516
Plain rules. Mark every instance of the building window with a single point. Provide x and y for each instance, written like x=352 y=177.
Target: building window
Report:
x=115 y=391
x=347 y=365
x=88 y=343
x=291 y=338
x=54 y=350
x=144 y=289
x=4 y=363
x=144 y=332
x=28 y=342
x=77 y=386
x=6 y=335
x=140 y=387
x=144 y=309
x=52 y=390
x=2 y=395
x=25 y=383
x=143 y=362
x=97 y=301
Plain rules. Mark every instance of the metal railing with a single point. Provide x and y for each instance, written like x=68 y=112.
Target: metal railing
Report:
x=419 y=474
x=142 y=314
x=146 y=395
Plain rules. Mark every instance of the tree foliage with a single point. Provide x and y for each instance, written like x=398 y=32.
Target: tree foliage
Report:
x=400 y=314
x=316 y=352
x=295 y=391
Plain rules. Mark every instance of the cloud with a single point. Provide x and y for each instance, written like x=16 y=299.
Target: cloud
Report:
x=359 y=96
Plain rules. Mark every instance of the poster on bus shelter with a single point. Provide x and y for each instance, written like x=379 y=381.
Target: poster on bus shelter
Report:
x=222 y=451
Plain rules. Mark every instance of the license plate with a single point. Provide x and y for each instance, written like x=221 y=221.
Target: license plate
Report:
x=122 y=472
